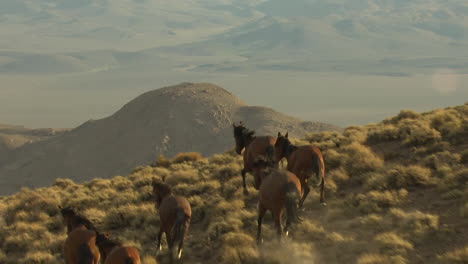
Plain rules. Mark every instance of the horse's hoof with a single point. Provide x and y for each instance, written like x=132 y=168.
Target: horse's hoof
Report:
x=286 y=233
x=260 y=241
x=323 y=203
x=180 y=254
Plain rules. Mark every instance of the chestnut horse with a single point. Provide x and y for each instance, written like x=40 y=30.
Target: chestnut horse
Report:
x=174 y=214
x=280 y=190
x=113 y=252
x=302 y=161
x=254 y=147
x=80 y=245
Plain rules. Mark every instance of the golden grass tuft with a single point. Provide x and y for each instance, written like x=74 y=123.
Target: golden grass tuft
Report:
x=187 y=157
x=458 y=256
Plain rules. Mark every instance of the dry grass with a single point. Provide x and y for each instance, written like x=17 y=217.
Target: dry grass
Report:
x=403 y=209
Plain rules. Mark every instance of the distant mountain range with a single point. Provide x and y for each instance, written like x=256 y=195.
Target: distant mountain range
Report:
x=389 y=37
x=186 y=117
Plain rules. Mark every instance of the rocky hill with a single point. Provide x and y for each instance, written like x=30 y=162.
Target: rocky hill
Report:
x=180 y=118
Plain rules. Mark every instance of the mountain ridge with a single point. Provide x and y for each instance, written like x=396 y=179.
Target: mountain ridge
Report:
x=181 y=118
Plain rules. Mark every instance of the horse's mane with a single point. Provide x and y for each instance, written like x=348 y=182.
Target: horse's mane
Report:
x=162 y=188
x=290 y=147
x=103 y=241
x=242 y=131
x=78 y=219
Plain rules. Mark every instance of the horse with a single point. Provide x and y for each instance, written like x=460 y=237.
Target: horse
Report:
x=302 y=160
x=80 y=245
x=280 y=190
x=174 y=214
x=113 y=252
x=254 y=147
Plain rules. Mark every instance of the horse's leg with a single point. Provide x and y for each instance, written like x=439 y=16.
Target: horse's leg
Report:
x=277 y=216
x=158 y=245
x=305 y=189
x=181 y=243
x=261 y=214
x=243 y=172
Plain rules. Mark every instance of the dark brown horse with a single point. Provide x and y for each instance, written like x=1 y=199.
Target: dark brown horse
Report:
x=302 y=161
x=175 y=214
x=280 y=190
x=113 y=252
x=80 y=245
x=254 y=147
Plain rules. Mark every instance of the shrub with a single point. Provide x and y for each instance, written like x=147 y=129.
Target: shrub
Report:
x=464 y=156
x=375 y=201
x=417 y=132
x=382 y=133
x=380 y=259
x=360 y=160
x=457 y=256
x=355 y=134
x=393 y=243
x=397 y=177
x=404 y=114
x=161 y=161
x=187 y=157
x=447 y=122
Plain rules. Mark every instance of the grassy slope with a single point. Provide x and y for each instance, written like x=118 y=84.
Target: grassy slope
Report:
x=397 y=193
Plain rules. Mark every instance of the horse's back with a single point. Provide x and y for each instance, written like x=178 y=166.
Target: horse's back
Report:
x=260 y=146
x=304 y=158
x=80 y=247
x=170 y=206
x=123 y=255
x=261 y=143
x=272 y=190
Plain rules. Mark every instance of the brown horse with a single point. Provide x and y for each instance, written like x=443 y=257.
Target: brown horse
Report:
x=279 y=190
x=80 y=245
x=302 y=161
x=254 y=147
x=113 y=252
x=174 y=214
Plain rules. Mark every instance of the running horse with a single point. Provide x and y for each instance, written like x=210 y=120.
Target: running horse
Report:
x=175 y=214
x=80 y=245
x=280 y=191
x=113 y=252
x=254 y=147
x=302 y=161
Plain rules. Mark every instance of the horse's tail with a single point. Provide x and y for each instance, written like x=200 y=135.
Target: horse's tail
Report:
x=291 y=203
x=180 y=227
x=85 y=256
x=321 y=172
x=129 y=260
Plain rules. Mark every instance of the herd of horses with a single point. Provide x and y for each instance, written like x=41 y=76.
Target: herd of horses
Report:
x=280 y=191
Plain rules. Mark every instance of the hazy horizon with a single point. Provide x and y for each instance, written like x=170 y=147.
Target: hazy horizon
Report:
x=65 y=62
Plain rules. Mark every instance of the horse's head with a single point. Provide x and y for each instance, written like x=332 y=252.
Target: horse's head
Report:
x=241 y=133
x=67 y=213
x=281 y=145
x=160 y=190
x=104 y=245
x=261 y=168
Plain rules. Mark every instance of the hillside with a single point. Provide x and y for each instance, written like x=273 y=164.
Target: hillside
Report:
x=166 y=121
x=396 y=193
x=12 y=137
